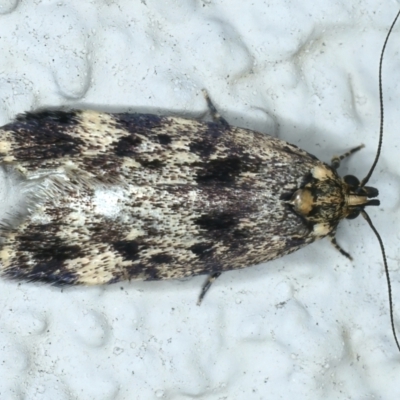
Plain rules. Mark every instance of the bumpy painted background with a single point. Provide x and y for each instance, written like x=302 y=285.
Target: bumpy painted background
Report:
x=310 y=326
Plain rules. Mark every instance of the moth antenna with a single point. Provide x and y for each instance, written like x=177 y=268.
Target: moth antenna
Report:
x=378 y=152
x=367 y=218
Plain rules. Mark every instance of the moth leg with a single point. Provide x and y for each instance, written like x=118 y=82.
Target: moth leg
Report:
x=216 y=116
x=335 y=162
x=210 y=280
x=337 y=247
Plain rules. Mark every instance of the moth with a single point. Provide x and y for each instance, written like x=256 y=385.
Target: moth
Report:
x=117 y=196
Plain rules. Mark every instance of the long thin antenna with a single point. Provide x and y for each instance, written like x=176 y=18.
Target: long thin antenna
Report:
x=366 y=216
x=378 y=152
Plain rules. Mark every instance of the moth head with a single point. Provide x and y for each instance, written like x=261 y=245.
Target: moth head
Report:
x=358 y=196
x=326 y=198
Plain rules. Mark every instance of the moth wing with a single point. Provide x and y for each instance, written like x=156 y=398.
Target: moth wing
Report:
x=136 y=196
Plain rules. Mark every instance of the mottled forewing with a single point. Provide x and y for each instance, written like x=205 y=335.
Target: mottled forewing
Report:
x=137 y=196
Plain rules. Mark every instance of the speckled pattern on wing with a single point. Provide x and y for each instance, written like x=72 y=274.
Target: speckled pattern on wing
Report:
x=138 y=196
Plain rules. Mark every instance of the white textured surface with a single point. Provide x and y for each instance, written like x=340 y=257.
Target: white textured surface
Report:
x=308 y=326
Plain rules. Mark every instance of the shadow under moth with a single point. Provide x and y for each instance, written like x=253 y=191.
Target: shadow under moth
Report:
x=112 y=197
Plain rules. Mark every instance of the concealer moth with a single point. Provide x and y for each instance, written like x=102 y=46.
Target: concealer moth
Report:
x=118 y=196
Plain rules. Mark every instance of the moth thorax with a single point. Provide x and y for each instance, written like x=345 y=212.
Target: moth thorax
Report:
x=320 y=201
x=302 y=201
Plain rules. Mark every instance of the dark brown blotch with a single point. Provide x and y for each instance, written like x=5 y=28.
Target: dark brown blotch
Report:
x=241 y=233
x=146 y=271
x=151 y=164
x=202 y=250
x=225 y=170
x=54 y=272
x=161 y=258
x=126 y=146
x=129 y=249
x=68 y=118
x=46 y=245
x=294 y=242
x=203 y=147
x=164 y=139
x=217 y=221
x=138 y=123
x=49 y=253
x=45 y=135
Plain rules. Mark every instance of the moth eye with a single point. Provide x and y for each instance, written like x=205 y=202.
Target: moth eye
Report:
x=354 y=214
x=351 y=180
